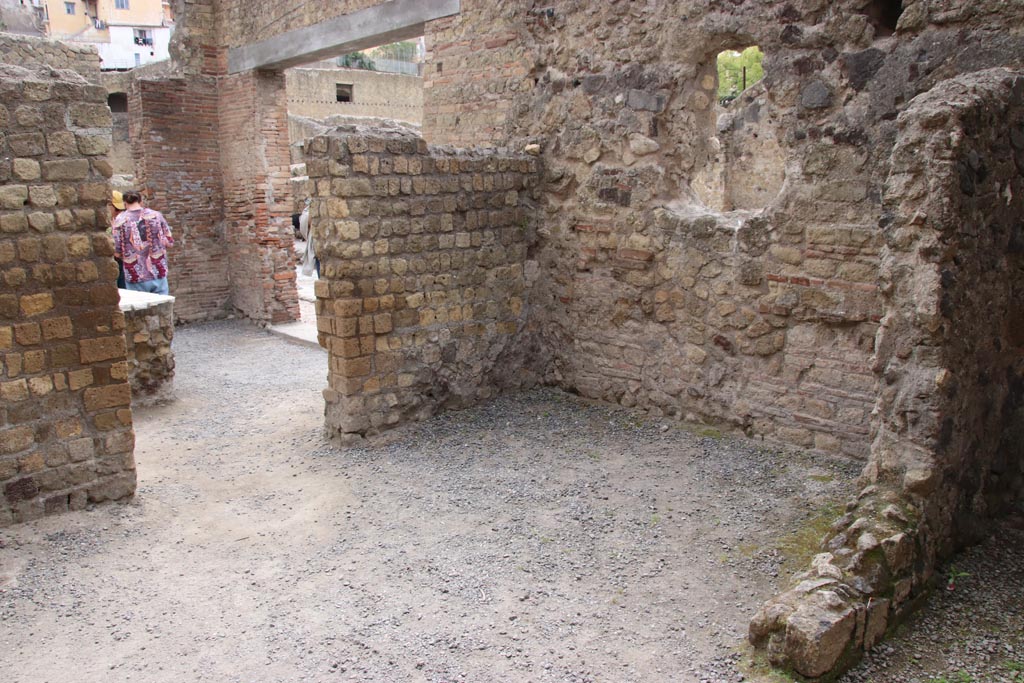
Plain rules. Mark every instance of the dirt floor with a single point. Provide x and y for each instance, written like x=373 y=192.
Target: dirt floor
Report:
x=534 y=538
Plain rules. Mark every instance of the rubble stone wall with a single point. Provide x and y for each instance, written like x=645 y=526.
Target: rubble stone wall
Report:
x=149 y=331
x=951 y=347
x=424 y=293
x=66 y=434
x=764 y=320
x=23 y=50
x=948 y=451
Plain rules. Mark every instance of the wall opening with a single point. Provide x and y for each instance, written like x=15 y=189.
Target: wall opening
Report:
x=745 y=164
x=738 y=70
x=322 y=95
x=884 y=15
x=118 y=102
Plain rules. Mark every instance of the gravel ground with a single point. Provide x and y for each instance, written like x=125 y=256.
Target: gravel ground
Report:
x=537 y=537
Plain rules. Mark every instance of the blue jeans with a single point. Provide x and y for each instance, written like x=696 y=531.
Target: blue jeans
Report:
x=158 y=286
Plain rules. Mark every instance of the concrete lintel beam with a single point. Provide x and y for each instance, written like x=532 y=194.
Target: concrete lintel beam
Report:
x=385 y=23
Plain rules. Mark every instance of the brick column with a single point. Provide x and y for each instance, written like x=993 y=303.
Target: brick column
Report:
x=174 y=132
x=255 y=162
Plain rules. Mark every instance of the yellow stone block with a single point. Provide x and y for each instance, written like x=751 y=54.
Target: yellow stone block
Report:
x=36 y=304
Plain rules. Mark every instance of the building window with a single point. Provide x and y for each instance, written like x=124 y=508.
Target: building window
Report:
x=69 y=7
x=138 y=59
x=143 y=37
x=120 y=4
x=344 y=92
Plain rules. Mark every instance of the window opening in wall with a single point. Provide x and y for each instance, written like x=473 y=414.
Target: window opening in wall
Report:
x=118 y=102
x=343 y=92
x=143 y=37
x=884 y=15
x=69 y=7
x=744 y=166
x=138 y=59
x=737 y=71
x=120 y=4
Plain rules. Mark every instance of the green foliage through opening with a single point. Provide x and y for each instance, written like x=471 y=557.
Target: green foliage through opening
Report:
x=731 y=64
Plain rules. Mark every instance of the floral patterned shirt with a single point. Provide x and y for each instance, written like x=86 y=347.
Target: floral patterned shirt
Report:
x=141 y=238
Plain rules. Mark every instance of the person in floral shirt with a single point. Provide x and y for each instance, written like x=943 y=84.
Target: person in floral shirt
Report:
x=141 y=238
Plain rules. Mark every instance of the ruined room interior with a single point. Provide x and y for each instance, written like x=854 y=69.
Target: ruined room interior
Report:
x=832 y=262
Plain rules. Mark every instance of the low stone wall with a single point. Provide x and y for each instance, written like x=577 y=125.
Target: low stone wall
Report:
x=66 y=434
x=949 y=438
x=149 y=329
x=425 y=274
x=23 y=50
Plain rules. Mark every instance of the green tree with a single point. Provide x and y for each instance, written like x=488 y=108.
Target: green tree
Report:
x=357 y=60
x=730 y=71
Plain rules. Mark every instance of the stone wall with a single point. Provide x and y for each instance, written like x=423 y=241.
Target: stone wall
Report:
x=66 y=434
x=649 y=297
x=478 y=63
x=951 y=347
x=746 y=164
x=312 y=93
x=120 y=156
x=425 y=274
x=149 y=330
x=24 y=50
x=948 y=451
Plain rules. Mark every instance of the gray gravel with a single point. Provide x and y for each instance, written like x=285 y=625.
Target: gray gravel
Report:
x=537 y=537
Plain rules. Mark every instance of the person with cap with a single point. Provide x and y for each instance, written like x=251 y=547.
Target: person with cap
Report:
x=116 y=207
x=141 y=239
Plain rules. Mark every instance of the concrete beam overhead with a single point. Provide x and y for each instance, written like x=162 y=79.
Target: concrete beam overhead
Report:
x=385 y=23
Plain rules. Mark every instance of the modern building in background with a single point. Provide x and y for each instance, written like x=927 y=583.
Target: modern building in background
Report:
x=127 y=33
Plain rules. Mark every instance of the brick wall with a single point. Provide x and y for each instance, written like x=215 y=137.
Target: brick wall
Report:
x=257 y=195
x=174 y=130
x=424 y=293
x=66 y=434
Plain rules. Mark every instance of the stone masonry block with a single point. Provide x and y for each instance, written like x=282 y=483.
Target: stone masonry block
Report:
x=56 y=328
x=87 y=115
x=101 y=349
x=27 y=144
x=25 y=169
x=93 y=145
x=66 y=169
x=16 y=439
x=13 y=196
x=61 y=144
x=36 y=304
x=110 y=396
x=13 y=222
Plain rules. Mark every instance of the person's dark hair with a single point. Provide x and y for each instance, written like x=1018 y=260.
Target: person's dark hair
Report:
x=131 y=197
